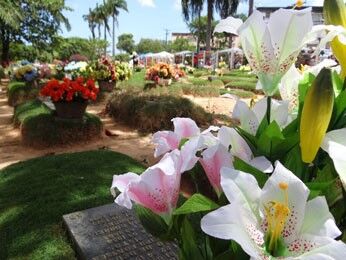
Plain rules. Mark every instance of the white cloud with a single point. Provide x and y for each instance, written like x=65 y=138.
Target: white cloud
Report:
x=149 y=3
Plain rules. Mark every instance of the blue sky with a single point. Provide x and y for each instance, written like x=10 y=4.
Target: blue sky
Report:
x=146 y=18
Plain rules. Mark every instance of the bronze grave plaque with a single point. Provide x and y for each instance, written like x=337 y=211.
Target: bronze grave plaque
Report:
x=114 y=232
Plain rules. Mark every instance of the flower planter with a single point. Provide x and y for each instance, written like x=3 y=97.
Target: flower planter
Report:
x=70 y=110
x=106 y=86
x=164 y=82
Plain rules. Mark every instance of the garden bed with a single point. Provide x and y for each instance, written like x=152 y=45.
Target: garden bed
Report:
x=20 y=92
x=150 y=113
x=40 y=128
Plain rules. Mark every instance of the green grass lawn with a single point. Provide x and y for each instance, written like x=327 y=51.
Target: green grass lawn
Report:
x=240 y=83
x=35 y=194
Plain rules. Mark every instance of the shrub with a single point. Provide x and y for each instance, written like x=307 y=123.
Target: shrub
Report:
x=150 y=113
x=205 y=82
x=122 y=57
x=20 y=92
x=2 y=72
x=40 y=128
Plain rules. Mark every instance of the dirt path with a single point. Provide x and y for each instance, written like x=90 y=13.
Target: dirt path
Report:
x=119 y=138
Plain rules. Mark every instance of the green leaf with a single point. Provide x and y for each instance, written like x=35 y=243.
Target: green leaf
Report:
x=189 y=248
x=152 y=222
x=339 y=109
x=196 y=203
x=269 y=139
x=338 y=83
x=293 y=162
x=240 y=165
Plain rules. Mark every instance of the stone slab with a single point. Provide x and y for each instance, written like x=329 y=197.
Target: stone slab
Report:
x=114 y=232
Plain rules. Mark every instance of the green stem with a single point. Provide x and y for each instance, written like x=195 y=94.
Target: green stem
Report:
x=269 y=103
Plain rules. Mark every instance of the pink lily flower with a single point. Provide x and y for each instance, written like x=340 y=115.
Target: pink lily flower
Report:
x=213 y=159
x=157 y=188
x=184 y=128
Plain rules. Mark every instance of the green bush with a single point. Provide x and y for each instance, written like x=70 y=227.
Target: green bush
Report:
x=150 y=113
x=122 y=57
x=200 y=91
x=205 y=82
x=40 y=128
x=2 y=72
x=20 y=92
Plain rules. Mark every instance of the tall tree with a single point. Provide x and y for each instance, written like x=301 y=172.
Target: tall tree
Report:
x=102 y=14
x=115 y=6
x=193 y=8
x=34 y=21
x=251 y=4
x=198 y=27
x=91 y=19
x=126 y=42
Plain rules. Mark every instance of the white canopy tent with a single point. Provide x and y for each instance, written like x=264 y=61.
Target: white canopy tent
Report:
x=183 y=54
x=229 y=25
x=159 y=57
x=232 y=52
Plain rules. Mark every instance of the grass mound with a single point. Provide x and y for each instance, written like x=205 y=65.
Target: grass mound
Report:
x=20 y=92
x=35 y=194
x=40 y=128
x=149 y=113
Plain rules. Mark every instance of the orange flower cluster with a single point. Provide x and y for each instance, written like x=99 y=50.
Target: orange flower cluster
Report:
x=160 y=70
x=70 y=90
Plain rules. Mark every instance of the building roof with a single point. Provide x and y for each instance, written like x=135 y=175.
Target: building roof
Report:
x=279 y=4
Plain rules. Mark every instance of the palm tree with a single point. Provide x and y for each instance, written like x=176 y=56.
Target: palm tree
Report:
x=101 y=19
x=251 y=4
x=114 y=7
x=91 y=19
x=193 y=8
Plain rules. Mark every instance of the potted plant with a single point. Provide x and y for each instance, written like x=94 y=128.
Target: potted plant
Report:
x=161 y=73
x=104 y=72
x=27 y=73
x=70 y=97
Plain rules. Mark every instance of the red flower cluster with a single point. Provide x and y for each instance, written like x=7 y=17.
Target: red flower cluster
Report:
x=69 y=90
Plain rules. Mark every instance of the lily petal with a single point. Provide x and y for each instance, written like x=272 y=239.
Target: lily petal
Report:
x=213 y=159
x=185 y=127
x=247 y=118
x=263 y=164
x=240 y=187
x=165 y=141
x=334 y=144
x=229 y=137
x=297 y=197
x=323 y=225
x=235 y=222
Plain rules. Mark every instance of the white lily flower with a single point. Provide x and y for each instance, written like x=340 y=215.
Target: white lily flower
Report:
x=229 y=137
x=289 y=83
x=334 y=144
x=276 y=221
x=250 y=118
x=271 y=48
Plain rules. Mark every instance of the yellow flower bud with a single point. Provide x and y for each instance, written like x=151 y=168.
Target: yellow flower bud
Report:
x=316 y=114
x=334 y=12
x=299 y=3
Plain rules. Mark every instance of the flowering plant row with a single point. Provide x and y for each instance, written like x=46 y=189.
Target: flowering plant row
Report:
x=272 y=187
x=70 y=90
x=164 y=71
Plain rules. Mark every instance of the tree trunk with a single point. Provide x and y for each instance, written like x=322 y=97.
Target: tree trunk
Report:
x=250 y=7
x=99 y=29
x=105 y=37
x=198 y=44
x=210 y=18
x=5 y=53
x=113 y=35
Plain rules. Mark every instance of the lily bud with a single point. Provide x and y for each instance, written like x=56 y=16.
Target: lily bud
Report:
x=334 y=12
x=316 y=114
